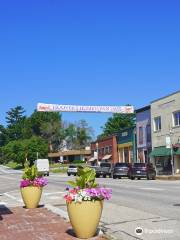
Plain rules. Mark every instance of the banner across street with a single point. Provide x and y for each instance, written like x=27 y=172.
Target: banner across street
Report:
x=43 y=107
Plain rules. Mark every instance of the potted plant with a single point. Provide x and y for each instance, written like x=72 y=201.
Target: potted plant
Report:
x=85 y=202
x=31 y=186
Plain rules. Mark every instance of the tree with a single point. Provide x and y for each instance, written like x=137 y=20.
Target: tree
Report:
x=48 y=125
x=15 y=115
x=78 y=135
x=3 y=136
x=18 y=150
x=16 y=123
x=118 y=122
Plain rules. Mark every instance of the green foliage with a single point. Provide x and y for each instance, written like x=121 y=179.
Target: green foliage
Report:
x=30 y=173
x=78 y=135
x=78 y=161
x=86 y=178
x=118 y=122
x=18 y=150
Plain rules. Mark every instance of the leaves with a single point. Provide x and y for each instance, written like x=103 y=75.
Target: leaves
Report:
x=85 y=179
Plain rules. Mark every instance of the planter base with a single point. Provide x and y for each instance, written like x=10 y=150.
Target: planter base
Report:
x=31 y=196
x=85 y=217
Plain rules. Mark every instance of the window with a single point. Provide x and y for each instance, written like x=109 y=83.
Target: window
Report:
x=110 y=149
x=148 y=133
x=140 y=135
x=106 y=150
x=176 y=118
x=157 y=123
x=102 y=151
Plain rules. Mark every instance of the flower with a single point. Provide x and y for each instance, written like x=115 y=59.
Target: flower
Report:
x=85 y=188
x=31 y=178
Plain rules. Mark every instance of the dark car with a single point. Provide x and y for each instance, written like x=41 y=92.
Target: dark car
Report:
x=121 y=170
x=72 y=170
x=142 y=170
x=103 y=170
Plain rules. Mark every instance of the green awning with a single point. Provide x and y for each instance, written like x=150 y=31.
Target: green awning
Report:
x=178 y=151
x=160 y=152
x=163 y=151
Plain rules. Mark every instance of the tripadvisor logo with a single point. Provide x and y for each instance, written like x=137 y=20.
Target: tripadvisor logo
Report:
x=139 y=231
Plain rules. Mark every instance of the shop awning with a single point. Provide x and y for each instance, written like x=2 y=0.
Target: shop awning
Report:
x=106 y=157
x=160 y=152
x=92 y=159
x=163 y=151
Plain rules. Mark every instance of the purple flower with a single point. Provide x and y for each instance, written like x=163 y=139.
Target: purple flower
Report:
x=38 y=182
x=99 y=193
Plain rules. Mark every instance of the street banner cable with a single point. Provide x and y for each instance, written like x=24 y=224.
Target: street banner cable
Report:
x=43 y=107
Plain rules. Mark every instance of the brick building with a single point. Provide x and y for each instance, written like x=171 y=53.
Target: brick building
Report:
x=104 y=150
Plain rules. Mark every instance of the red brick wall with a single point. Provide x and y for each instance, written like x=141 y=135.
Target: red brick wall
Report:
x=106 y=142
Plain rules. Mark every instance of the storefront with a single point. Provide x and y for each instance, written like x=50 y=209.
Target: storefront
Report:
x=127 y=145
x=162 y=158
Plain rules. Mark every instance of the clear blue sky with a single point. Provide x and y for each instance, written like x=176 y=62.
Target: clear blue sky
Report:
x=88 y=52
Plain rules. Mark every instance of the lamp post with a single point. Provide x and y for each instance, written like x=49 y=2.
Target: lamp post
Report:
x=172 y=155
x=97 y=152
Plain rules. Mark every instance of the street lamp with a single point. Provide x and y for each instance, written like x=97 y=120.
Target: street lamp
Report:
x=97 y=152
x=172 y=155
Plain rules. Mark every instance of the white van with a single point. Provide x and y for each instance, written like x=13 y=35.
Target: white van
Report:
x=42 y=166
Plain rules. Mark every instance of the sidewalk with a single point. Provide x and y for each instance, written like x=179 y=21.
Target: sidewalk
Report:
x=168 y=177
x=34 y=224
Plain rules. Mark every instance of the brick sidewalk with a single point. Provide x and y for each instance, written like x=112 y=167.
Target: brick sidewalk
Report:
x=19 y=223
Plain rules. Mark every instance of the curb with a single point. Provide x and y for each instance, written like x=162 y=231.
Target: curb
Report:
x=171 y=178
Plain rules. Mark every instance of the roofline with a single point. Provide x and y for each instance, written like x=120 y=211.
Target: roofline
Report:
x=166 y=96
x=143 y=109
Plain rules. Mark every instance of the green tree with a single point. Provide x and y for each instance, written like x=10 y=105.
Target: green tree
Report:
x=15 y=123
x=18 y=150
x=118 y=122
x=3 y=136
x=48 y=125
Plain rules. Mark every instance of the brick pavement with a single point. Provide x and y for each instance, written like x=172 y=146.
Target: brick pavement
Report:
x=18 y=223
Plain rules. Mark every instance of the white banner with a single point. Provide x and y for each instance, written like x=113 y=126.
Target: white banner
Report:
x=43 y=107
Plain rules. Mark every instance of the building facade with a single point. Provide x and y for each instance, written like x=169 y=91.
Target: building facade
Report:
x=127 y=145
x=104 y=150
x=143 y=133
x=165 y=130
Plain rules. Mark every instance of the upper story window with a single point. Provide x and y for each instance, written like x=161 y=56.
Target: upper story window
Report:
x=157 y=123
x=106 y=150
x=148 y=133
x=110 y=149
x=176 y=118
x=140 y=135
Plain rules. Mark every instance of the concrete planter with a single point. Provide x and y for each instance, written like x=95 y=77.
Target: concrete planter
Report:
x=85 y=217
x=31 y=196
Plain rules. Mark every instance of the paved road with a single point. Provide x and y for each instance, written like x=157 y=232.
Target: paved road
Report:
x=152 y=205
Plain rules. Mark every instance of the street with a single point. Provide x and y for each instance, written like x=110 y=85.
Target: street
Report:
x=153 y=206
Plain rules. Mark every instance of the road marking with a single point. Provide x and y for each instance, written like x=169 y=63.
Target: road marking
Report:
x=10 y=178
x=2 y=203
x=153 y=189
x=12 y=197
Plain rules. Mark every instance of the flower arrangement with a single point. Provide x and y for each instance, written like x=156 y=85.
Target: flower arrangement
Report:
x=84 y=188
x=32 y=178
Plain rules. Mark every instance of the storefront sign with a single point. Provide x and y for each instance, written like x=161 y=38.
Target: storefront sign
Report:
x=168 y=142
x=43 y=107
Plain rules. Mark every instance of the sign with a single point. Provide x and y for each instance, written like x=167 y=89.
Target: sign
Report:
x=43 y=107
x=168 y=142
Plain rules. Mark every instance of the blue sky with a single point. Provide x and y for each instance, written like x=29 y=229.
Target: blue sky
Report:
x=88 y=52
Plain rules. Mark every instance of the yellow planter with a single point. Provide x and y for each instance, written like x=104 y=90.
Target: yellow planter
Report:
x=31 y=196
x=85 y=217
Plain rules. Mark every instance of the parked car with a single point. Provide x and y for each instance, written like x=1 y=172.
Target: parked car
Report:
x=121 y=170
x=103 y=170
x=72 y=170
x=142 y=170
x=42 y=166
